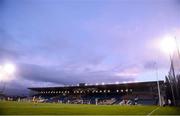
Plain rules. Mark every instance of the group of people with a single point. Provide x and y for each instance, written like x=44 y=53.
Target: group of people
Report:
x=129 y=101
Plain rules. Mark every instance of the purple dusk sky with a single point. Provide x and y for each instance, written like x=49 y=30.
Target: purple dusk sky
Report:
x=65 y=42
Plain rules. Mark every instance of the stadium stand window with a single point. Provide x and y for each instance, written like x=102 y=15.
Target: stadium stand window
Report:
x=109 y=91
x=130 y=90
x=121 y=90
x=126 y=90
x=100 y=91
x=104 y=91
x=117 y=90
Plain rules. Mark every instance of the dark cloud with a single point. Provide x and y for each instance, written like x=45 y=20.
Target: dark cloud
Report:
x=160 y=64
x=150 y=65
x=8 y=54
x=44 y=74
x=33 y=75
x=8 y=46
x=48 y=74
x=16 y=87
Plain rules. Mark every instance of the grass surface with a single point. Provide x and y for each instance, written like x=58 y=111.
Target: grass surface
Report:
x=75 y=109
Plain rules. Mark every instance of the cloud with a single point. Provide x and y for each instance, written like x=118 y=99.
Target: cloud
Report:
x=131 y=71
x=48 y=74
x=33 y=75
x=10 y=48
x=44 y=74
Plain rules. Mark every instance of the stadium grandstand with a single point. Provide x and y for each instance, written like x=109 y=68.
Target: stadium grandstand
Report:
x=138 y=93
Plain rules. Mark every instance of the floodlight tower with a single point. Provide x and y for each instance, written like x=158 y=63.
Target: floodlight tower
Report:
x=177 y=47
x=158 y=87
x=168 y=45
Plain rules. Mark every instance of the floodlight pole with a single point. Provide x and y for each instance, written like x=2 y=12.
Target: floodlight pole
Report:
x=159 y=90
x=177 y=47
x=172 y=91
x=1 y=89
x=3 y=86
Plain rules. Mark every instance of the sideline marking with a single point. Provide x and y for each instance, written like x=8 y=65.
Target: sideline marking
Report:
x=153 y=111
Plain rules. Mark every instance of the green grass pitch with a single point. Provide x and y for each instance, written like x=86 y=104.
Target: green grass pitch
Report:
x=25 y=108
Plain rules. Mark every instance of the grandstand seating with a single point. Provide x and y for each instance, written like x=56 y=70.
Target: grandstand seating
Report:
x=122 y=94
x=102 y=100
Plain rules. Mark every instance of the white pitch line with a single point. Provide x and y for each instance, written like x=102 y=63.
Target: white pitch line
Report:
x=153 y=111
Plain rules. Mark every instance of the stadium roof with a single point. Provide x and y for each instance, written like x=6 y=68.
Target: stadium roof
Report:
x=121 y=85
